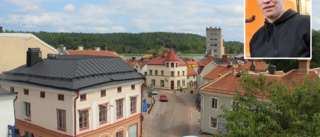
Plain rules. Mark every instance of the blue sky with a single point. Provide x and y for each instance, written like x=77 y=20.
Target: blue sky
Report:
x=134 y=16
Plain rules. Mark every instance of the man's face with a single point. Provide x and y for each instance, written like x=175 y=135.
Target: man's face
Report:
x=271 y=8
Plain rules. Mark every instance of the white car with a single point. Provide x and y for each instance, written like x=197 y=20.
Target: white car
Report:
x=153 y=91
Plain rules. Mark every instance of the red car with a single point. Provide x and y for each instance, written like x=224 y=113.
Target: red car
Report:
x=163 y=98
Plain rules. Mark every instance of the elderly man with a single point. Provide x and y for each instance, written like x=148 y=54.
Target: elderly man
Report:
x=284 y=34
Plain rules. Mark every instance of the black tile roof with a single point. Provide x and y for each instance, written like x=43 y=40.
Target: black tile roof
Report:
x=4 y=92
x=220 y=62
x=74 y=72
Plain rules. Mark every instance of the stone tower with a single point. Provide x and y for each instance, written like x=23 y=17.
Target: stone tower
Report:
x=215 y=45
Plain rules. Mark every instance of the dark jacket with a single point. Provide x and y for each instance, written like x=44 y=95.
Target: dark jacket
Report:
x=288 y=36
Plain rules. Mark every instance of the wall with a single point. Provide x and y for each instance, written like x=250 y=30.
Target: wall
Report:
x=14 y=46
x=7 y=115
x=208 y=68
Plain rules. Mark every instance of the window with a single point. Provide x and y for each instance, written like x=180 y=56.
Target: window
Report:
x=26 y=91
x=162 y=83
x=27 y=107
x=12 y=89
x=187 y=77
x=133 y=87
x=176 y=65
x=235 y=105
x=150 y=72
x=119 y=90
x=178 y=73
x=178 y=83
x=153 y=82
x=213 y=122
x=119 y=108
x=133 y=104
x=182 y=73
x=156 y=72
x=103 y=93
x=103 y=113
x=42 y=94
x=194 y=76
x=172 y=73
x=183 y=82
x=83 y=119
x=83 y=97
x=61 y=119
x=119 y=134
x=211 y=39
x=162 y=73
x=167 y=65
x=215 y=45
x=61 y=97
x=172 y=65
x=215 y=50
x=214 y=103
x=145 y=73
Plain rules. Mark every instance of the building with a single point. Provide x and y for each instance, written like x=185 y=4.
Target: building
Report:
x=75 y=95
x=95 y=52
x=139 y=65
x=192 y=63
x=218 y=72
x=15 y=45
x=222 y=90
x=167 y=72
x=192 y=77
x=256 y=66
x=215 y=43
x=7 y=112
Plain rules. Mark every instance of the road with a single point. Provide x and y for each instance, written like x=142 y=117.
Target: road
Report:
x=167 y=119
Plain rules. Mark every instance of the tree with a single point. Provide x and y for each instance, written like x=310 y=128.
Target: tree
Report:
x=293 y=111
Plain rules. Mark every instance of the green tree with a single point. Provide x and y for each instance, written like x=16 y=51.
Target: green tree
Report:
x=294 y=111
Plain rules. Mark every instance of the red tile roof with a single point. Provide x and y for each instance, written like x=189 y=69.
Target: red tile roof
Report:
x=161 y=59
x=220 y=70
x=193 y=62
x=260 y=66
x=191 y=71
x=228 y=83
x=140 y=62
x=93 y=53
x=147 y=56
x=171 y=56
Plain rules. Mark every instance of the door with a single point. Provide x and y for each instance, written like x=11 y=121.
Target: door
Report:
x=172 y=85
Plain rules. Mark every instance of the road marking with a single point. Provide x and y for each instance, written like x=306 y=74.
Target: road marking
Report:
x=170 y=114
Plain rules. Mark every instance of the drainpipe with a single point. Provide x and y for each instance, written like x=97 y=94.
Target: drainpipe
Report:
x=141 y=107
x=75 y=114
x=202 y=110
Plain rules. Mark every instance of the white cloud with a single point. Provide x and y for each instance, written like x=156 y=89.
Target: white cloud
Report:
x=69 y=7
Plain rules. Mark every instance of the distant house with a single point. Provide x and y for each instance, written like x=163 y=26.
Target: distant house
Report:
x=221 y=91
x=167 y=72
x=95 y=52
x=7 y=112
x=139 y=65
x=147 y=57
x=13 y=49
x=204 y=67
x=218 y=72
x=192 y=77
x=192 y=63
x=256 y=66
x=75 y=95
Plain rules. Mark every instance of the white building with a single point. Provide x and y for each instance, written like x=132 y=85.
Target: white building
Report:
x=7 y=118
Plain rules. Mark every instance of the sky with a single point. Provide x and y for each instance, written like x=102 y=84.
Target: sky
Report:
x=132 y=16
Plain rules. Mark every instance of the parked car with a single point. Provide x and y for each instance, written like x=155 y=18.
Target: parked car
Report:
x=153 y=91
x=163 y=98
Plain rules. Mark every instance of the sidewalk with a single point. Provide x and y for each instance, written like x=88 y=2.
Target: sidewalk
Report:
x=190 y=100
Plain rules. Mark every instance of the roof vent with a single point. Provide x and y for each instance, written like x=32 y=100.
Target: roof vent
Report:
x=239 y=74
x=51 y=56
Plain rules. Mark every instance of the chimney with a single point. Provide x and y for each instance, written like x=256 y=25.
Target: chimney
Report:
x=80 y=47
x=133 y=58
x=142 y=59
x=33 y=56
x=1 y=31
x=304 y=66
x=253 y=66
x=219 y=75
x=210 y=58
x=224 y=58
x=230 y=64
x=272 y=69
x=233 y=71
x=51 y=56
x=94 y=48
x=105 y=48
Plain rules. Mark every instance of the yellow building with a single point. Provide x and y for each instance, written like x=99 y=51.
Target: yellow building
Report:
x=13 y=48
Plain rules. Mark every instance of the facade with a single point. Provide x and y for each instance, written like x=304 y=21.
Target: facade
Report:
x=7 y=116
x=204 y=67
x=215 y=43
x=139 y=65
x=192 y=77
x=167 y=72
x=15 y=45
x=222 y=90
x=76 y=95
